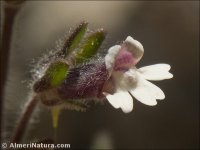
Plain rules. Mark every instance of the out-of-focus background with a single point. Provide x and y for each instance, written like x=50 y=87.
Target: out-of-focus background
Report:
x=169 y=32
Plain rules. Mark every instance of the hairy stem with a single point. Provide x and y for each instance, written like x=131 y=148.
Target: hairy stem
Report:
x=23 y=122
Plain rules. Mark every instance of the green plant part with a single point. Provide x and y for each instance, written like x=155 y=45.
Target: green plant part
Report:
x=54 y=75
x=89 y=47
x=75 y=38
x=57 y=72
x=55 y=116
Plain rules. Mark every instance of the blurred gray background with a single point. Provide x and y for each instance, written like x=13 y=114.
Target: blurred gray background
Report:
x=169 y=32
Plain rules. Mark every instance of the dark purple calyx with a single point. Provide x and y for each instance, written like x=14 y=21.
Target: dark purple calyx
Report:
x=84 y=82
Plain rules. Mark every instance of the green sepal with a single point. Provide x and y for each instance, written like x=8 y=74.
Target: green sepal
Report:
x=89 y=47
x=75 y=38
x=56 y=73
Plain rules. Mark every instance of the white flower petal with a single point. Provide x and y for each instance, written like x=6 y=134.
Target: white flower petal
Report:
x=125 y=80
x=110 y=57
x=121 y=100
x=135 y=43
x=156 y=72
x=144 y=96
x=135 y=47
x=146 y=92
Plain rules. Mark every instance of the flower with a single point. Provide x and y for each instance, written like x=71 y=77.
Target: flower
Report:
x=128 y=80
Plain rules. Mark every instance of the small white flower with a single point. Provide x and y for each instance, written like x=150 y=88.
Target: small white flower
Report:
x=120 y=62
